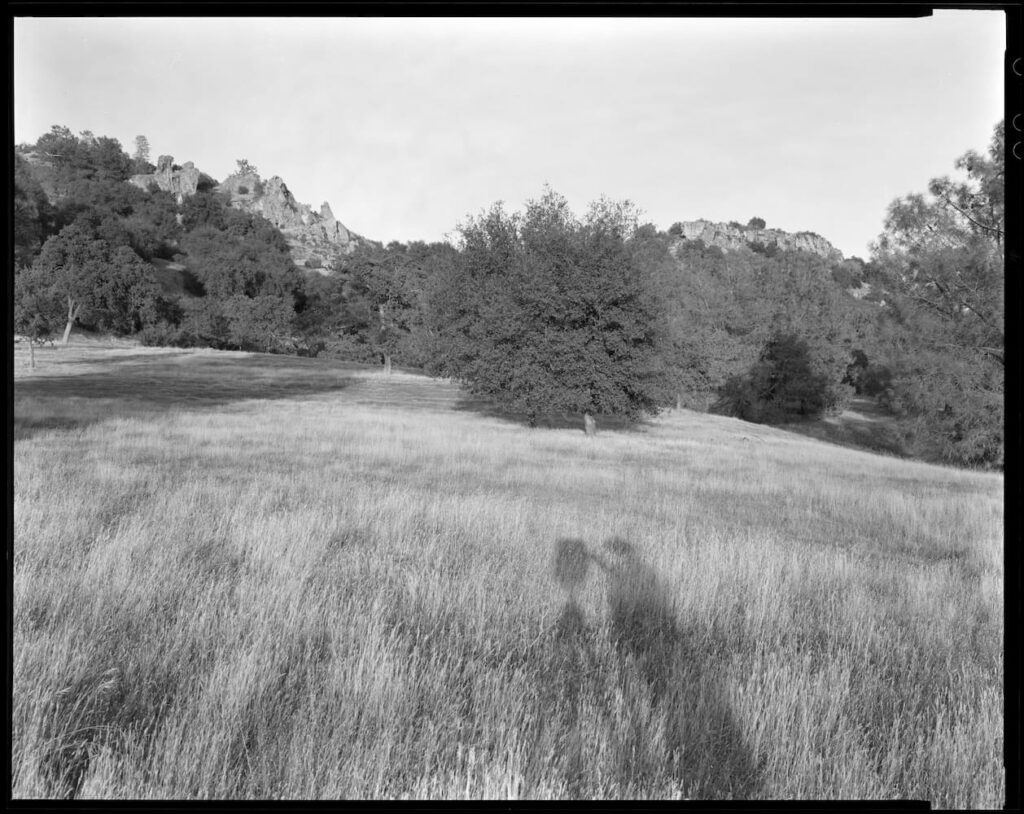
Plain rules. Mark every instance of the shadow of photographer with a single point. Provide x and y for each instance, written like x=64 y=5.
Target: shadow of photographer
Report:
x=700 y=746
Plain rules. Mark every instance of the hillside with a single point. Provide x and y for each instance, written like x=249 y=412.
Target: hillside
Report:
x=315 y=239
x=251 y=564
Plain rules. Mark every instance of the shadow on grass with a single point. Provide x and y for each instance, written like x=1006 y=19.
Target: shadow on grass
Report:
x=863 y=425
x=852 y=434
x=700 y=747
x=70 y=398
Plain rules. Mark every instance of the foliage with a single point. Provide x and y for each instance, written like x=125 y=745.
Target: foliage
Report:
x=784 y=382
x=81 y=277
x=145 y=221
x=140 y=158
x=34 y=218
x=756 y=223
x=723 y=307
x=84 y=157
x=141 y=149
x=875 y=381
x=848 y=273
x=940 y=260
x=260 y=323
x=548 y=313
x=245 y=168
x=759 y=247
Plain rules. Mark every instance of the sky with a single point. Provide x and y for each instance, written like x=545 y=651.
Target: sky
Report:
x=409 y=126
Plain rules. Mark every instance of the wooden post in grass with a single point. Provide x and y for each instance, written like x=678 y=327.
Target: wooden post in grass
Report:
x=589 y=425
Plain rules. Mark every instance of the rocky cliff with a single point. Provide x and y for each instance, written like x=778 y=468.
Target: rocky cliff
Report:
x=727 y=236
x=180 y=183
x=315 y=238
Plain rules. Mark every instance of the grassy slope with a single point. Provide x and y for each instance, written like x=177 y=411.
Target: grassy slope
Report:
x=249 y=576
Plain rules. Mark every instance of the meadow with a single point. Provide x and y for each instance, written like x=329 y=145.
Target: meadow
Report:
x=248 y=576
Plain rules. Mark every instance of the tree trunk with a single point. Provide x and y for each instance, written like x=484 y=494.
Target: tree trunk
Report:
x=31 y=354
x=589 y=425
x=679 y=399
x=384 y=335
x=72 y=316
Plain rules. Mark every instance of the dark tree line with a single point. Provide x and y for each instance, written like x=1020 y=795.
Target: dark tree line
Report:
x=544 y=310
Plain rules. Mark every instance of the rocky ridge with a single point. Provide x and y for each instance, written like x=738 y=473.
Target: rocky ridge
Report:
x=315 y=238
x=728 y=236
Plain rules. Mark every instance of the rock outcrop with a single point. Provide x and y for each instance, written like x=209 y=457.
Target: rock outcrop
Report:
x=180 y=183
x=315 y=238
x=727 y=236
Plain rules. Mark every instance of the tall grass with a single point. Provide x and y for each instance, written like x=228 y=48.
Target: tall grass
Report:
x=331 y=584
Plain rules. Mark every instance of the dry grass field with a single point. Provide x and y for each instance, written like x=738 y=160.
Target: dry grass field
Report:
x=245 y=576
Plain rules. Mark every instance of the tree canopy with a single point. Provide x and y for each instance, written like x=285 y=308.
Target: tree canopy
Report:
x=940 y=260
x=549 y=313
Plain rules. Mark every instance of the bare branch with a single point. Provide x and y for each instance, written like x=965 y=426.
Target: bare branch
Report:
x=996 y=229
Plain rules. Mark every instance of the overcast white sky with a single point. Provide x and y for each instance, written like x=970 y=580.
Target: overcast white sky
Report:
x=406 y=126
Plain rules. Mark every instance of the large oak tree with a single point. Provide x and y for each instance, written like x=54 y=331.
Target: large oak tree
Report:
x=549 y=313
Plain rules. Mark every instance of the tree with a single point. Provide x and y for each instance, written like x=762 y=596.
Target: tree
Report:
x=245 y=168
x=545 y=312
x=384 y=299
x=940 y=262
x=34 y=217
x=65 y=274
x=756 y=223
x=30 y=309
x=783 y=383
x=262 y=323
x=80 y=277
x=141 y=150
x=109 y=160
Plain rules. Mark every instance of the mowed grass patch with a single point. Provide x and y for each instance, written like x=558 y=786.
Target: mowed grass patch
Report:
x=361 y=591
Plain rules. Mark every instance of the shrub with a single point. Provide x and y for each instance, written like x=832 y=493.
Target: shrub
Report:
x=164 y=334
x=847 y=274
x=780 y=385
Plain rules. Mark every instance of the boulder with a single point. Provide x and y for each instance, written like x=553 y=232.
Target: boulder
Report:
x=180 y=183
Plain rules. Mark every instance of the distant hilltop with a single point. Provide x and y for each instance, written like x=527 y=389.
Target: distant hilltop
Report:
x=735 y=236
